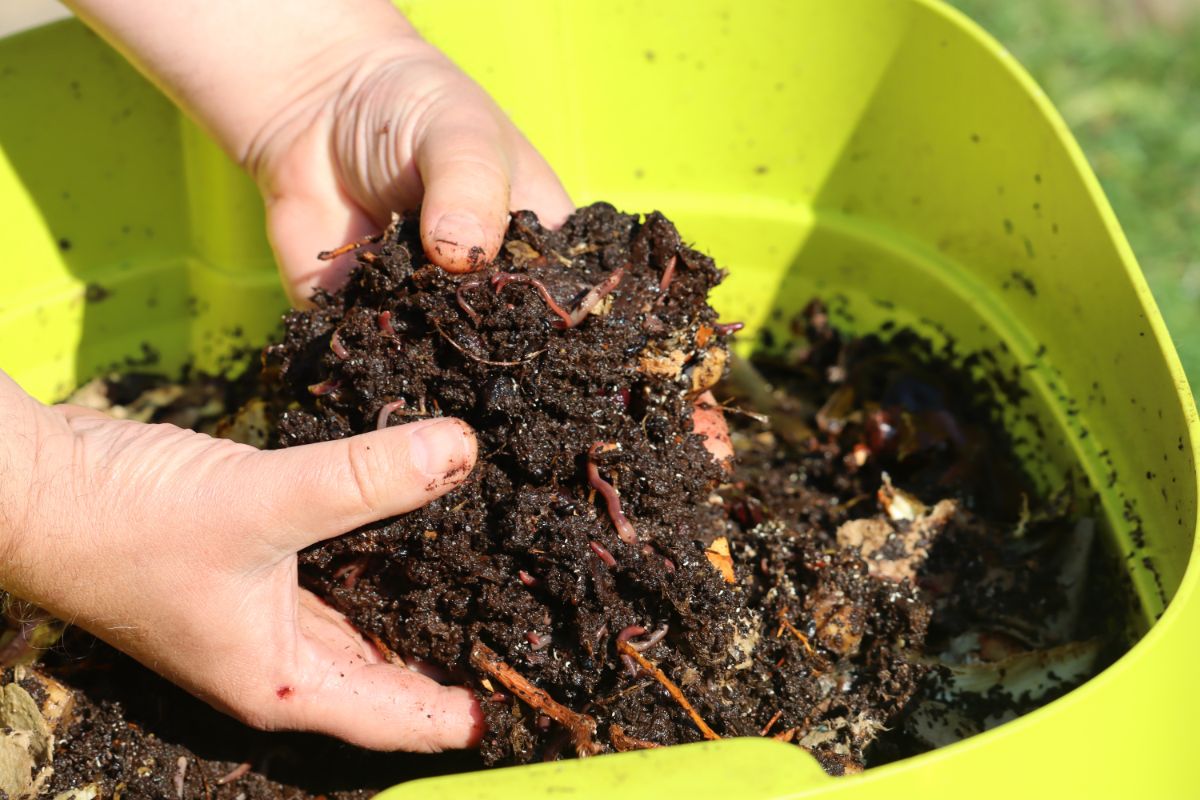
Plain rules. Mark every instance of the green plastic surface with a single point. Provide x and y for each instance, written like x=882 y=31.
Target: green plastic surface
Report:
x=884 y=154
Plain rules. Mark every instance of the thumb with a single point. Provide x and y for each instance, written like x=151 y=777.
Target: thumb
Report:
x=467 y=176
x=357 y=480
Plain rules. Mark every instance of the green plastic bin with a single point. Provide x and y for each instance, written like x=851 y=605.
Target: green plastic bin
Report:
x=883 y=154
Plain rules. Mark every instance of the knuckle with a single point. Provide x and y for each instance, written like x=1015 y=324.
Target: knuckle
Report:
x=368 y=470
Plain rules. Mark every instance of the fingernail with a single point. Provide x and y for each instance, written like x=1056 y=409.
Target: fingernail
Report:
x=458 y=230
x=442 y=447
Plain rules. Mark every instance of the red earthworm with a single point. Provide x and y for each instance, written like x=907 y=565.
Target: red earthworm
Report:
x=462 y=300
x=527 y=579
x=665 y=283
x=381 y=421
x=350 y=573
x=234 y=774
x=385 y=324
x=537 y=641
x=729 y=327
x=339 y=349
x=649 y=641
x=502 y=279
x=625 y=529
x=602 y=553
x=595 y=295
x=324 y=387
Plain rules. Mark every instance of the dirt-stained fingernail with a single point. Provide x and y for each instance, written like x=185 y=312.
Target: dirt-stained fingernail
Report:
x=442 y=447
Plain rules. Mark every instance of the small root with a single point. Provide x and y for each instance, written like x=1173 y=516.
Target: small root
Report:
x=771 y=723
x=581 y=727
x=481 y=360
x=627 y=649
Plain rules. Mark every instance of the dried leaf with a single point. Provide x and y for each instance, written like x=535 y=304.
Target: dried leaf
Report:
x=718 y=555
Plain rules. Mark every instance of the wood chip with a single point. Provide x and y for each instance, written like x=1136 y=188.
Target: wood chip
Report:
x=718 y=555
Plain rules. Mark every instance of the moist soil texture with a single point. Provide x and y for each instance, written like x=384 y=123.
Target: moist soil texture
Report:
x=601 y=580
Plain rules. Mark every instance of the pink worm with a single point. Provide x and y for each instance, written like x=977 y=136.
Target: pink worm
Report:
x=385 y=323
x=668 y=274
x=526 y=578
x=502 y=279
x=537 y=641
x=602 y=553
x=381 y=421
x=324 y=387
x=460 y=295
x=612 y=500
x=234 y=774
x=729 y=327
x=339 y=349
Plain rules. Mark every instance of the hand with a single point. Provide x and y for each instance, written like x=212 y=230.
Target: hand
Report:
x=404 y=127
x=180 y=549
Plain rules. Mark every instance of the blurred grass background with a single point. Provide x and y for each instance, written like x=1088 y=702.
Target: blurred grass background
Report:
x=1125 y=74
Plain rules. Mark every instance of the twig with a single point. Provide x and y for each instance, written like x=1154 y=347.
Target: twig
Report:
x=627 y=649
x=581 y=727
x=771 y=723
x=623 y=742
x=785 y=624
x=349 y=247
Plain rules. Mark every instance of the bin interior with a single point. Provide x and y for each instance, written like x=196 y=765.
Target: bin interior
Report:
x=880 y=154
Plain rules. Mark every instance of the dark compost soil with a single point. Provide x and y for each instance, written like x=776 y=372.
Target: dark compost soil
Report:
x=600 y=580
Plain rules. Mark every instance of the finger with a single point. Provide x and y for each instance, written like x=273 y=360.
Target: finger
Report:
x=467 y=174
x=317 y=491
x=537 y=188
x=709 y=422
x=388 y=707
x=305 y=222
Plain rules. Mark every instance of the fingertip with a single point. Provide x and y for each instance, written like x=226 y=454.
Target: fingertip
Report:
x=458 y=242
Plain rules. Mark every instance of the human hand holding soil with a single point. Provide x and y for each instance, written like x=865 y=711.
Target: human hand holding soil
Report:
x=180 y=549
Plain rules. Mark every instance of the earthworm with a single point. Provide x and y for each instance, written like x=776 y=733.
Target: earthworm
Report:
x=665 y=283
x=538 y=641
x=234 y=774
x=502 y=279
x=381 y=421
x=626 y=633
x=339 y=349
x=602 y=553
x=460 y=295
x=527 y=579
x=612 y=500
x=385 y=324
x=350 y=573
x=728 y=328
x=649 y=641
x=324 y=387
x=594 y=296
x=180 y=775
